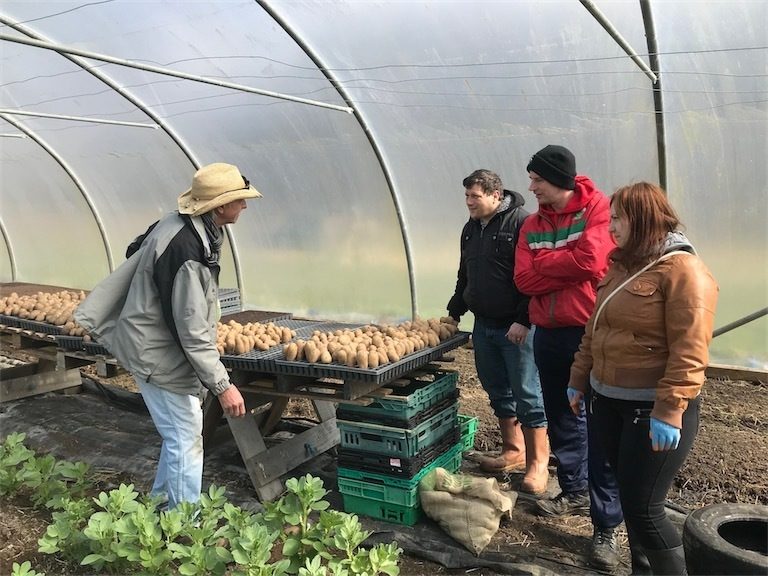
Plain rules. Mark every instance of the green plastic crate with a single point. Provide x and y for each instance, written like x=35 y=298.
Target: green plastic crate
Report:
x=408 y=401
x=383 y=488
x=467 y=427
x=407 y=515
x=397 y=441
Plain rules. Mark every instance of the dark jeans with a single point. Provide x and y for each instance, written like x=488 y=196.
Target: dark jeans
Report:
x=645 y=477
x=581 y=463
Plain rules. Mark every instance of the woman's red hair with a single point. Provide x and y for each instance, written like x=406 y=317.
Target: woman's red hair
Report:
x=650 y=217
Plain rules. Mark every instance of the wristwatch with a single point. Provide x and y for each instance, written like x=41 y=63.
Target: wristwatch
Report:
x=221 y=385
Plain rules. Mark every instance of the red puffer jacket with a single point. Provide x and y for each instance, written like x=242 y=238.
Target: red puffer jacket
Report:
x=561 y=256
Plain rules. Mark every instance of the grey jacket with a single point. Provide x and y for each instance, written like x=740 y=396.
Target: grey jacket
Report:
x=157 y=312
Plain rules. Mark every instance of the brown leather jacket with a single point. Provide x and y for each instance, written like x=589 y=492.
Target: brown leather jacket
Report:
x=653 y=334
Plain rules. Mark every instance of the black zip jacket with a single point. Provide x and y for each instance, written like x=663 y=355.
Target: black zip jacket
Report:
x=485 y=283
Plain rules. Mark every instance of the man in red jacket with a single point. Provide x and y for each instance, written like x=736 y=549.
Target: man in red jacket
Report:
x=562 y=253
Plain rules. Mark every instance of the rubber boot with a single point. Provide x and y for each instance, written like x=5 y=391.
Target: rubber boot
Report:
x=669 y=562
x=537 y=461
x=640 y=564
x=512 y=449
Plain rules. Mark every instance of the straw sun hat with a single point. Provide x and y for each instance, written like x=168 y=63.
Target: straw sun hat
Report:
x=215 y=185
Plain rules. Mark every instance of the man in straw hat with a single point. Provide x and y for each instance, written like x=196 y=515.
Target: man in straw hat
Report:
x=157 y=315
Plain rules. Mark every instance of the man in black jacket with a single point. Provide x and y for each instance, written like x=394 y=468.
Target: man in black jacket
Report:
x=502 y=335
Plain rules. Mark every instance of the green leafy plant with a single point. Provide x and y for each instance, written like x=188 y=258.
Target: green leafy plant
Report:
x=329 y=543
x=24 y=569
x=122 y=532
x=13 y=454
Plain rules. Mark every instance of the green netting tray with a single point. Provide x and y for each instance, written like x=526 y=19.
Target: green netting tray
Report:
x=404 y=403
x=406 y=515
x=404 y=492
x=468 y=427
x=398 y=441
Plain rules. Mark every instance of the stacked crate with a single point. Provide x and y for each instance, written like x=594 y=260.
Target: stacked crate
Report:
x=387 y=447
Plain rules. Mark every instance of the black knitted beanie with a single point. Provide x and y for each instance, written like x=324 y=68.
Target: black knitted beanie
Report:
x=556 y=164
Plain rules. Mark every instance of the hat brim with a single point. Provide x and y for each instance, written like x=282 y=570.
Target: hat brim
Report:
x=192 y=207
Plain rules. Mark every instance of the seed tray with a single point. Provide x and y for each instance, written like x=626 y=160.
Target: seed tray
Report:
x=69 y=342
x=35 y=326
x=394 y=490
x=264 y=360
x=380 y=375
x=397 y=441
x=9 y=320
x=259 y=360
x=95 y=348
x=262 y=316
x=395 y=466
x=407 y=402
x=394 y=419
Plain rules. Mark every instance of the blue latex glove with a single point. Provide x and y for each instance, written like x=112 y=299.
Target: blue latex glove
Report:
x=575 y=399
x=663 y=436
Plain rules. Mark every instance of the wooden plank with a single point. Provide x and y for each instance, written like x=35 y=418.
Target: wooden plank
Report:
x=737 y=373
x=353 y=390
x=324 y=410
x=67 y=360
x=38 y=384
x=251 y=444
x=18 y=370
x=284 y=457
x=278 y=406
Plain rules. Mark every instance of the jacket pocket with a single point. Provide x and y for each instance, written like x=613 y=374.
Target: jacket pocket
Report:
x=641 y=287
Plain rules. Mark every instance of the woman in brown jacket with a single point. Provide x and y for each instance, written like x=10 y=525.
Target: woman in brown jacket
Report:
x=643 y=358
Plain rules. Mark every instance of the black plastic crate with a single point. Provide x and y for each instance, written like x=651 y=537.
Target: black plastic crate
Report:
x=396 y=465
x=391 y=419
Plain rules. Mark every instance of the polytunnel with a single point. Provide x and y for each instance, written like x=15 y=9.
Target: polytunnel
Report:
x=358 y=121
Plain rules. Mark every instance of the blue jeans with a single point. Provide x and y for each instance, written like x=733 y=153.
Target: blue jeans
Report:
x=581 y=462
x=508 y=374
x=179 y=421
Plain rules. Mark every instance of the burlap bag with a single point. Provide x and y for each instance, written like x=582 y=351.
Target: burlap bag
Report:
x=468 y=508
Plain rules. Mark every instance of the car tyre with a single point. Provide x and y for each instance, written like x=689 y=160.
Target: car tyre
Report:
x=727 y=539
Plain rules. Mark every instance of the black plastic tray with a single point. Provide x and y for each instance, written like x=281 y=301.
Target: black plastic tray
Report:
x=262 y=316
x=380 y=375
x=9 y=321
x=396 y=465
x=95 y=348
x=69 y=342
x=262 y=360
x=43 y=327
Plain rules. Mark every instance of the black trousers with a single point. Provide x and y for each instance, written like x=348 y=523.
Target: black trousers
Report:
x=644 y=476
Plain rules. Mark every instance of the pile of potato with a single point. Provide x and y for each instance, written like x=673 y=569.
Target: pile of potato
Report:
x=371 y=346
x=236 y=338
x=52 y=307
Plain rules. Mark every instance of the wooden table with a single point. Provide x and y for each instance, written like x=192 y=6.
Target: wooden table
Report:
x=267 y=397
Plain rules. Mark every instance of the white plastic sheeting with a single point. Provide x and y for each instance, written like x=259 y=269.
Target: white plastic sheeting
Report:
x=361 y=212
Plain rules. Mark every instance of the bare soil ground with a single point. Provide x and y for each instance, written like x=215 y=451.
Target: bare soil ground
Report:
x=728 y=464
